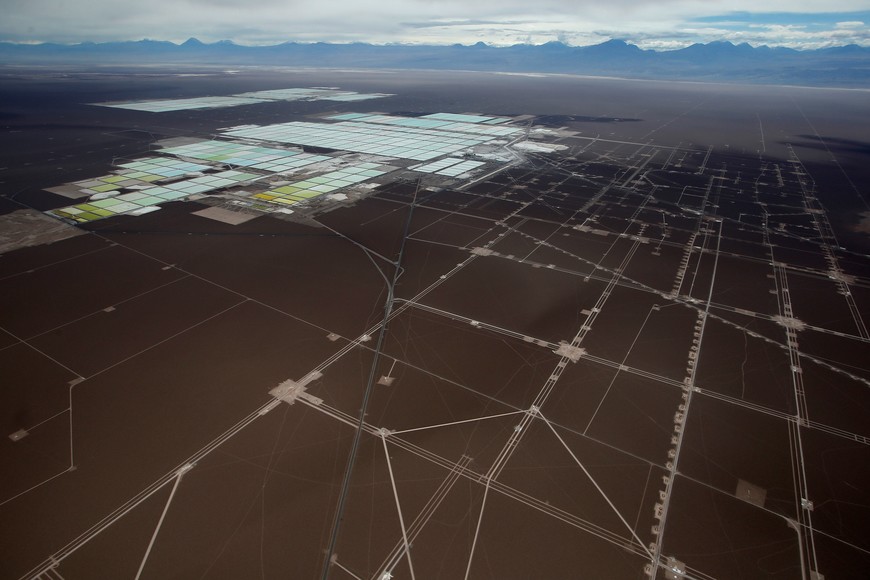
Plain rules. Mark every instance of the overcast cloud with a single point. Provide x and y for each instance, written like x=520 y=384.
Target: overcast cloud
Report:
x=662 y=24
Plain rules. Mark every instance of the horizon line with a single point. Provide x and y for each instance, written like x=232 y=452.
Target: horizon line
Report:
x=412 y=44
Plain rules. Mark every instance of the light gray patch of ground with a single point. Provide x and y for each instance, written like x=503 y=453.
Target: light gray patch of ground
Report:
x=224 y=215
x=28 y=227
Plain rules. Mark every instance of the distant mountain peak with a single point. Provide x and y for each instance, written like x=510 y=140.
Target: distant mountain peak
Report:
x=615 y=46
x=192 y=42
x=554 y=45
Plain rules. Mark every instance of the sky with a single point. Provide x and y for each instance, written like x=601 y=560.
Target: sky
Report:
x=658 y=24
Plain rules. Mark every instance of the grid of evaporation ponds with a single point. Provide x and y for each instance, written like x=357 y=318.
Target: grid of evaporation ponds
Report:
x=299 y=191
x=294 y=94
x=322 y=94
x=467 y=118
x=252 y=98
x=391 y=141
x=166 y=105
x=114 y=181
x=433 y=122
x=129 y=202
x=241 y=155
x=147 y=168
x=449 y=166
x=354 y=97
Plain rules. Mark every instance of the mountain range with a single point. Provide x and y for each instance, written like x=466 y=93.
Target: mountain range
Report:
x=845 y=66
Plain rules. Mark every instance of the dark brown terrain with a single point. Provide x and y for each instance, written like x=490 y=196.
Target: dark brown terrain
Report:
x=644 y=353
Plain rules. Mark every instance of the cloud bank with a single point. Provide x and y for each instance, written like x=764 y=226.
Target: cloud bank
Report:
x=663 y=24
